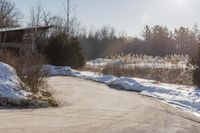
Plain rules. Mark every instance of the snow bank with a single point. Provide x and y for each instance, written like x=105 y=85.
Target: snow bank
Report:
x=57 y=71
x=10 y=84
x=184 y=97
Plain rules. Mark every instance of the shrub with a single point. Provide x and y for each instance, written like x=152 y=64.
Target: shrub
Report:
x=195 y=61
x=28 y=67
x=174 y=69
x=166 y=75
x=63 y=50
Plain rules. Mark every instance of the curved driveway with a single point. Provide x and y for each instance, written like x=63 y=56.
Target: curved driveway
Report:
x=90 y=107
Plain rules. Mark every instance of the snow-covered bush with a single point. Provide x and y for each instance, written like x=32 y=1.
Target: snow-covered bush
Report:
x=28 y=67
x=12 y=89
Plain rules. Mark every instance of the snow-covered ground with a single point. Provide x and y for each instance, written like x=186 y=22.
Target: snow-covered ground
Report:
x=183 y=97
x=99 y=62
x=141 y=63
x=11 y=87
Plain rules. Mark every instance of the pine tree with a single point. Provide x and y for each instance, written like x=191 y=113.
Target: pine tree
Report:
x=63 y=50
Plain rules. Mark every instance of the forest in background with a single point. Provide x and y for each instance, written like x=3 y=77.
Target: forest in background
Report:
x=155 y=41
x=95 y=43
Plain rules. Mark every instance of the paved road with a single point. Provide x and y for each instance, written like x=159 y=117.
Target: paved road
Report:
x=89 y=107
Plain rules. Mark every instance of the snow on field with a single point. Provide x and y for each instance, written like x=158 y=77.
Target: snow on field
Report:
x=183 y=97
x=141 y=63
x=10 y=84
x=99 y=62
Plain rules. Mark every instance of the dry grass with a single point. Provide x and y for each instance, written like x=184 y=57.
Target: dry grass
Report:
x=135 y=58
x=29 y=68
x=172 y=76
x=174 y=69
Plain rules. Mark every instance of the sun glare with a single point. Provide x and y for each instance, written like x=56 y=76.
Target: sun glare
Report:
x=180 y=3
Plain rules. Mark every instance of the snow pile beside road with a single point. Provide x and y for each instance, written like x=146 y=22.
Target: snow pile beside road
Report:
x=106 y=79
x=184 y=97
x=57 y=70
x=187 y=98
x=10 y=84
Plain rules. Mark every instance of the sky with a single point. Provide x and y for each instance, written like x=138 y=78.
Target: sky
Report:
x=129 y=16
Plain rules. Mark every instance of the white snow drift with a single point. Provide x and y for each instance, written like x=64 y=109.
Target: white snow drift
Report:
x=10 y=84
x=186 y=98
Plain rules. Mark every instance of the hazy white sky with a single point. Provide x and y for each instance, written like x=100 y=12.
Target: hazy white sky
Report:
x=126 y=15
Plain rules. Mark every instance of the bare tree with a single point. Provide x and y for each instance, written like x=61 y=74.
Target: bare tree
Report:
x=72 y=25
x=36 y=15
x=9 y=14
x=39 y=17
x=9 y=17
x=35 y=22
x=68 y=12
x=47 y=18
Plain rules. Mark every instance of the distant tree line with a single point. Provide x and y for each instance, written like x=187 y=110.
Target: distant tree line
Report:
x=155 y=41
x=69 y=44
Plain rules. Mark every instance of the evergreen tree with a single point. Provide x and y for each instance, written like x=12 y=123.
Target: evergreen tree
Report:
x=196 y=63
x=63 y=50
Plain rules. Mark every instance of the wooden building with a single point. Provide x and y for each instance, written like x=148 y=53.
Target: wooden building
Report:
x=20 y=39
